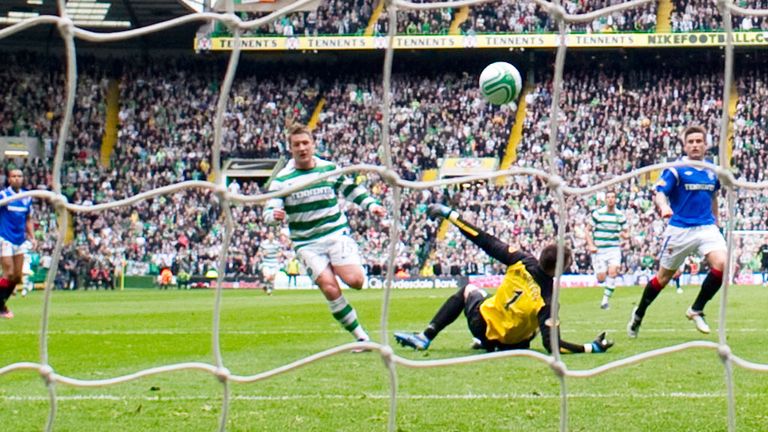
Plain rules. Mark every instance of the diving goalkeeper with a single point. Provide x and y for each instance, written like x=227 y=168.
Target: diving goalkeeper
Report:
x=512 y=317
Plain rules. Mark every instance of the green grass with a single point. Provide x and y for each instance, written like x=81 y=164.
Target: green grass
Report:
x=97 y=335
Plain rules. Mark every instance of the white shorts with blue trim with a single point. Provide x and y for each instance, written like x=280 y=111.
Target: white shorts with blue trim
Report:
x=679 y=243
x=9 y=249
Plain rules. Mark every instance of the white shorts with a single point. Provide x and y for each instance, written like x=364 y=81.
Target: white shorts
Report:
x=334 y=250
x=9 y=249
x=679 y=243
x=269 y=270
x=605 y=258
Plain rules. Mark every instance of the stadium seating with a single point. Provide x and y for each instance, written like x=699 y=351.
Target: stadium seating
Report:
x=165 y=136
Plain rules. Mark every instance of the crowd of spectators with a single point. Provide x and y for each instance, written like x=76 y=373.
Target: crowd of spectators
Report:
x=337 y=17
x=165 y=136
x=626 y=120
x=417 y=22
x=703 y=15
x=432 y=117
x=612 y=122
x=166 y=133
x=527 y=17
x=332 y=17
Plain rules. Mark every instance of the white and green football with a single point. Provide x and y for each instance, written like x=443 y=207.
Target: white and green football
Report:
x=500 y=83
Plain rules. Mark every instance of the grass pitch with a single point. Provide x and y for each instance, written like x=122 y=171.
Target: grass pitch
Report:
x=98 y=335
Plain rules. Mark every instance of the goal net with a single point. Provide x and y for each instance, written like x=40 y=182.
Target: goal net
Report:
x=562 y=194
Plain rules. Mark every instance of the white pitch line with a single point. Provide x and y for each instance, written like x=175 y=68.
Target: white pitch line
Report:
x=472 y=396
x=307 y=331
x=169 y=332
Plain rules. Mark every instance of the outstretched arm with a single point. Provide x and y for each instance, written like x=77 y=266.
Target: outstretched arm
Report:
x=491 y=245
x=359 y=195
x=599 y=345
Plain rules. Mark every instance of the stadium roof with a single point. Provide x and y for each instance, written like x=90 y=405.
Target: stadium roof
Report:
x=106 y=16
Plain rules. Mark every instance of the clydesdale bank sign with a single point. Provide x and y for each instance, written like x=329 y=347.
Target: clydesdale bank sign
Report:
x=418 y=283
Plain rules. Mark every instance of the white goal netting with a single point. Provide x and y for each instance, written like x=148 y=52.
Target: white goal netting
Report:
x=558 y=188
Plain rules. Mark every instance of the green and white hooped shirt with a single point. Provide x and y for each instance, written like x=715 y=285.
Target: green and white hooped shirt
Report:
x=313 y=213
x=607 y=227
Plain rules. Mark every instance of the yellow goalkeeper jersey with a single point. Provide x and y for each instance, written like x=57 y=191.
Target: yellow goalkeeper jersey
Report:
x=512 y=313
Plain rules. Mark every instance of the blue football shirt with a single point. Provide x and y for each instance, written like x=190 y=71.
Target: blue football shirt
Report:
x=13 y=217
x=690 y=191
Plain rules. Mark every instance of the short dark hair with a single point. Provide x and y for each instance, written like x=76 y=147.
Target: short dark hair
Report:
x=548 y=257
x=692 y=130
x=298 y=129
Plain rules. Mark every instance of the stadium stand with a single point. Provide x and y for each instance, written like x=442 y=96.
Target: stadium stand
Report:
x=527 y=17
x=700 y=15
x=165 y=135
x=352 y=17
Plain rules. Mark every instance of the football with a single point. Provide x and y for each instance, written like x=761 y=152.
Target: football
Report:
x=500 y=83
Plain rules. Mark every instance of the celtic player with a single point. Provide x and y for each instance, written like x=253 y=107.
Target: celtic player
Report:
x=270 y=250
x=318 y=228
x=604 y=242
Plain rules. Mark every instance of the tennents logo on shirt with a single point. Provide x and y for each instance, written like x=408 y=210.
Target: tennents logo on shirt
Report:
x=695 y=187
x=312 y=192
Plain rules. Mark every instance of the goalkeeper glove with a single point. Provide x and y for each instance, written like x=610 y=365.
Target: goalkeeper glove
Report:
x=435 y=211
x=599 y=345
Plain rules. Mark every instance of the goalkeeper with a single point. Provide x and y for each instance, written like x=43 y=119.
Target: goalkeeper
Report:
x=520 y=308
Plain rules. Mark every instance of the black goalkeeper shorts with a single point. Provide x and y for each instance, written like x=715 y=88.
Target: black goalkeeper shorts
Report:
x=475 y=320
x=477 y=325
